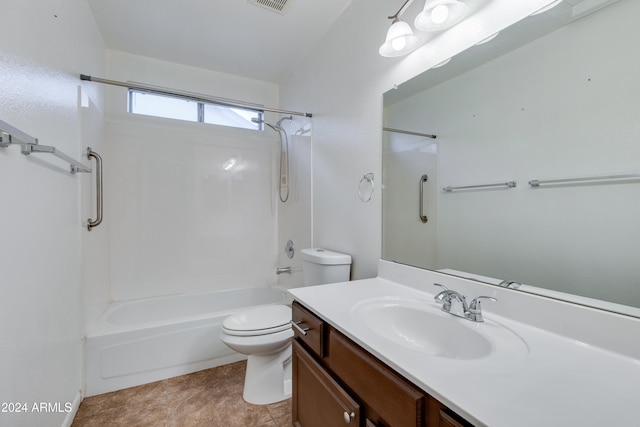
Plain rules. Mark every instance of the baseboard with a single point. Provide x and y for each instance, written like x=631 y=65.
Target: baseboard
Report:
x=74 y=410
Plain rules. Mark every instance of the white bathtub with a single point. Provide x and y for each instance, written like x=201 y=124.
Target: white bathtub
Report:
x=140 y=341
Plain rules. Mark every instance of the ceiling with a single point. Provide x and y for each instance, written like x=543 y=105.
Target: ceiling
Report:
x=228 y=36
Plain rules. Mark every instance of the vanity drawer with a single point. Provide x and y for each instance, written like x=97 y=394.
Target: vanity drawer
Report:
x=310 y=328
x=395 y=400
x=441 y=416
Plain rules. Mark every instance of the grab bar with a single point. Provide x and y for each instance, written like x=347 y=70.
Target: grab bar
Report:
x=423 y=217
x=91 y=224
x=510 y=184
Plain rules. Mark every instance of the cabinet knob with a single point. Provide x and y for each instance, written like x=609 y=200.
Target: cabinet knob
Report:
x=348 y=417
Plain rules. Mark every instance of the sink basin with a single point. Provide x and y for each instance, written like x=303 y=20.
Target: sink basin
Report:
x=422 y=326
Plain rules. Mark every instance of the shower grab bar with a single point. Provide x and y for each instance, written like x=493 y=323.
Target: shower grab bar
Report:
x=604 y=178
x=509 y=184
x=91 y=224
x=423 y=217
x=10 y=135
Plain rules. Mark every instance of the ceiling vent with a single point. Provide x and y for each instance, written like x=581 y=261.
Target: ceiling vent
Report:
x=279 y=6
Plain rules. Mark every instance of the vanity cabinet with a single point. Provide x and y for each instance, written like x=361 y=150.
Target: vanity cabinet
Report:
x=336 y=382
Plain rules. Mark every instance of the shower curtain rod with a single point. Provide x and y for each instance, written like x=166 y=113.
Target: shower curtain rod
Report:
x=408 y=132
x=192 y=96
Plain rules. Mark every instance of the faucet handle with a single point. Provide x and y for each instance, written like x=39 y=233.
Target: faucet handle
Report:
x=440 y=297
x=443 y=297
x=475 y=309
x=444 y=288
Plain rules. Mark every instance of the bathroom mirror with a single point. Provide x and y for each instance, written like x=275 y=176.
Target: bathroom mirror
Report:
x=538 y=138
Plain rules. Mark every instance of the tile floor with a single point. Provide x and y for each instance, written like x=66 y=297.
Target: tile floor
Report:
x=208 y=398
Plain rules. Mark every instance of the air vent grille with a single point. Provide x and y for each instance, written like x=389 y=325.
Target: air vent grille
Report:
x=279 y=6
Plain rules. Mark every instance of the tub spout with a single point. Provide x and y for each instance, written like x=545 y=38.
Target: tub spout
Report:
x=281 y=270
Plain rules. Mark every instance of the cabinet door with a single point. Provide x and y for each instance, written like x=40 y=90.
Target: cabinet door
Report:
x=318 y=400
x=396 y=402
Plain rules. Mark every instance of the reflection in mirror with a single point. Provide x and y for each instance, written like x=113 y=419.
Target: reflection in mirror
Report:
x=564 y=105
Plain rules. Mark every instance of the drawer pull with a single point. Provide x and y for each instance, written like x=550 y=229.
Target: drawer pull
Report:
x=303 y=331
x=348 y=417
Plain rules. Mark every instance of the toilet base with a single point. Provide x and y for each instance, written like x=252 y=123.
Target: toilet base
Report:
x=268 y=378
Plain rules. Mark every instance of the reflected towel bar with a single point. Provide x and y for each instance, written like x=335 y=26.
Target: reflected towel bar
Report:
x=605 y=178
x=509 y=184
x=408 y=132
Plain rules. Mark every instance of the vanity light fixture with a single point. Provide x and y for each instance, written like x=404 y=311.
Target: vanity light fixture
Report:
x=546 y=8
x=439 y=15
x=400 y=39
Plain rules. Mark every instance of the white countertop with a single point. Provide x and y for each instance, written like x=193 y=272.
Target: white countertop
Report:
x=560 y=381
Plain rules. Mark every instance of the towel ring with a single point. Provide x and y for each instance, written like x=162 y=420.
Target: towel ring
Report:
x=368 y=177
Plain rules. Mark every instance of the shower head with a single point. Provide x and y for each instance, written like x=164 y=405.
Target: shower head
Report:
x=257 y=120
x=278 y=125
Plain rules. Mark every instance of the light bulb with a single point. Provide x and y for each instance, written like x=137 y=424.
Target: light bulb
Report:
x=398 y=43
x=440 y=14
x=400 y=40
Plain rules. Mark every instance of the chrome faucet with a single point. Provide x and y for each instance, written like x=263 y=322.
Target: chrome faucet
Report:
x=282 y=270
x=455 y=303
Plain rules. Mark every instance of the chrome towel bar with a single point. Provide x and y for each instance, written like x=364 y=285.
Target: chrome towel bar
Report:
x=10 y=135
x=509 y=184
x=409 y=132
x=604 y=178
x=74 y=165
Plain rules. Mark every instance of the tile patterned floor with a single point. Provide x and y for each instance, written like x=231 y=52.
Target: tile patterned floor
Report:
x=211 y=398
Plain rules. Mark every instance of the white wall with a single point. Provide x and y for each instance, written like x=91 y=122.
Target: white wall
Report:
x=341 y=82
x=44 y=47
x=179 y=221
x=566 y=108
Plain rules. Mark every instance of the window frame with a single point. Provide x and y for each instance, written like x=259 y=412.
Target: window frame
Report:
x=200 y=109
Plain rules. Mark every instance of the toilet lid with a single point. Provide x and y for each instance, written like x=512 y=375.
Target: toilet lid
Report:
x=261 y=320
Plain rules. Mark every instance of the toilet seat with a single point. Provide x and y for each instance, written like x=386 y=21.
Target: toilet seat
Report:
x=258 y=321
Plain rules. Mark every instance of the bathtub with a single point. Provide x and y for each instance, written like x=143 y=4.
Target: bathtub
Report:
x=141 y=341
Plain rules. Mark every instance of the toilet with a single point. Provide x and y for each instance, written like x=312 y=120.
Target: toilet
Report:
x=264 y=333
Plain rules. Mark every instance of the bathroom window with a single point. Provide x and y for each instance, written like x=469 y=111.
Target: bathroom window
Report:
x=174 y=107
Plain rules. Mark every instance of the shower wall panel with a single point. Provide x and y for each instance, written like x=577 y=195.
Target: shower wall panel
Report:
x=193 y=207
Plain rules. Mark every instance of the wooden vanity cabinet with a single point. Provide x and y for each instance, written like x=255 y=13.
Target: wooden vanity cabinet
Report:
x=318 y=400
x=336 y=382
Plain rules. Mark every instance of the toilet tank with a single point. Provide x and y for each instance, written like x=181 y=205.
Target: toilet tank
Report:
x=320 y=266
